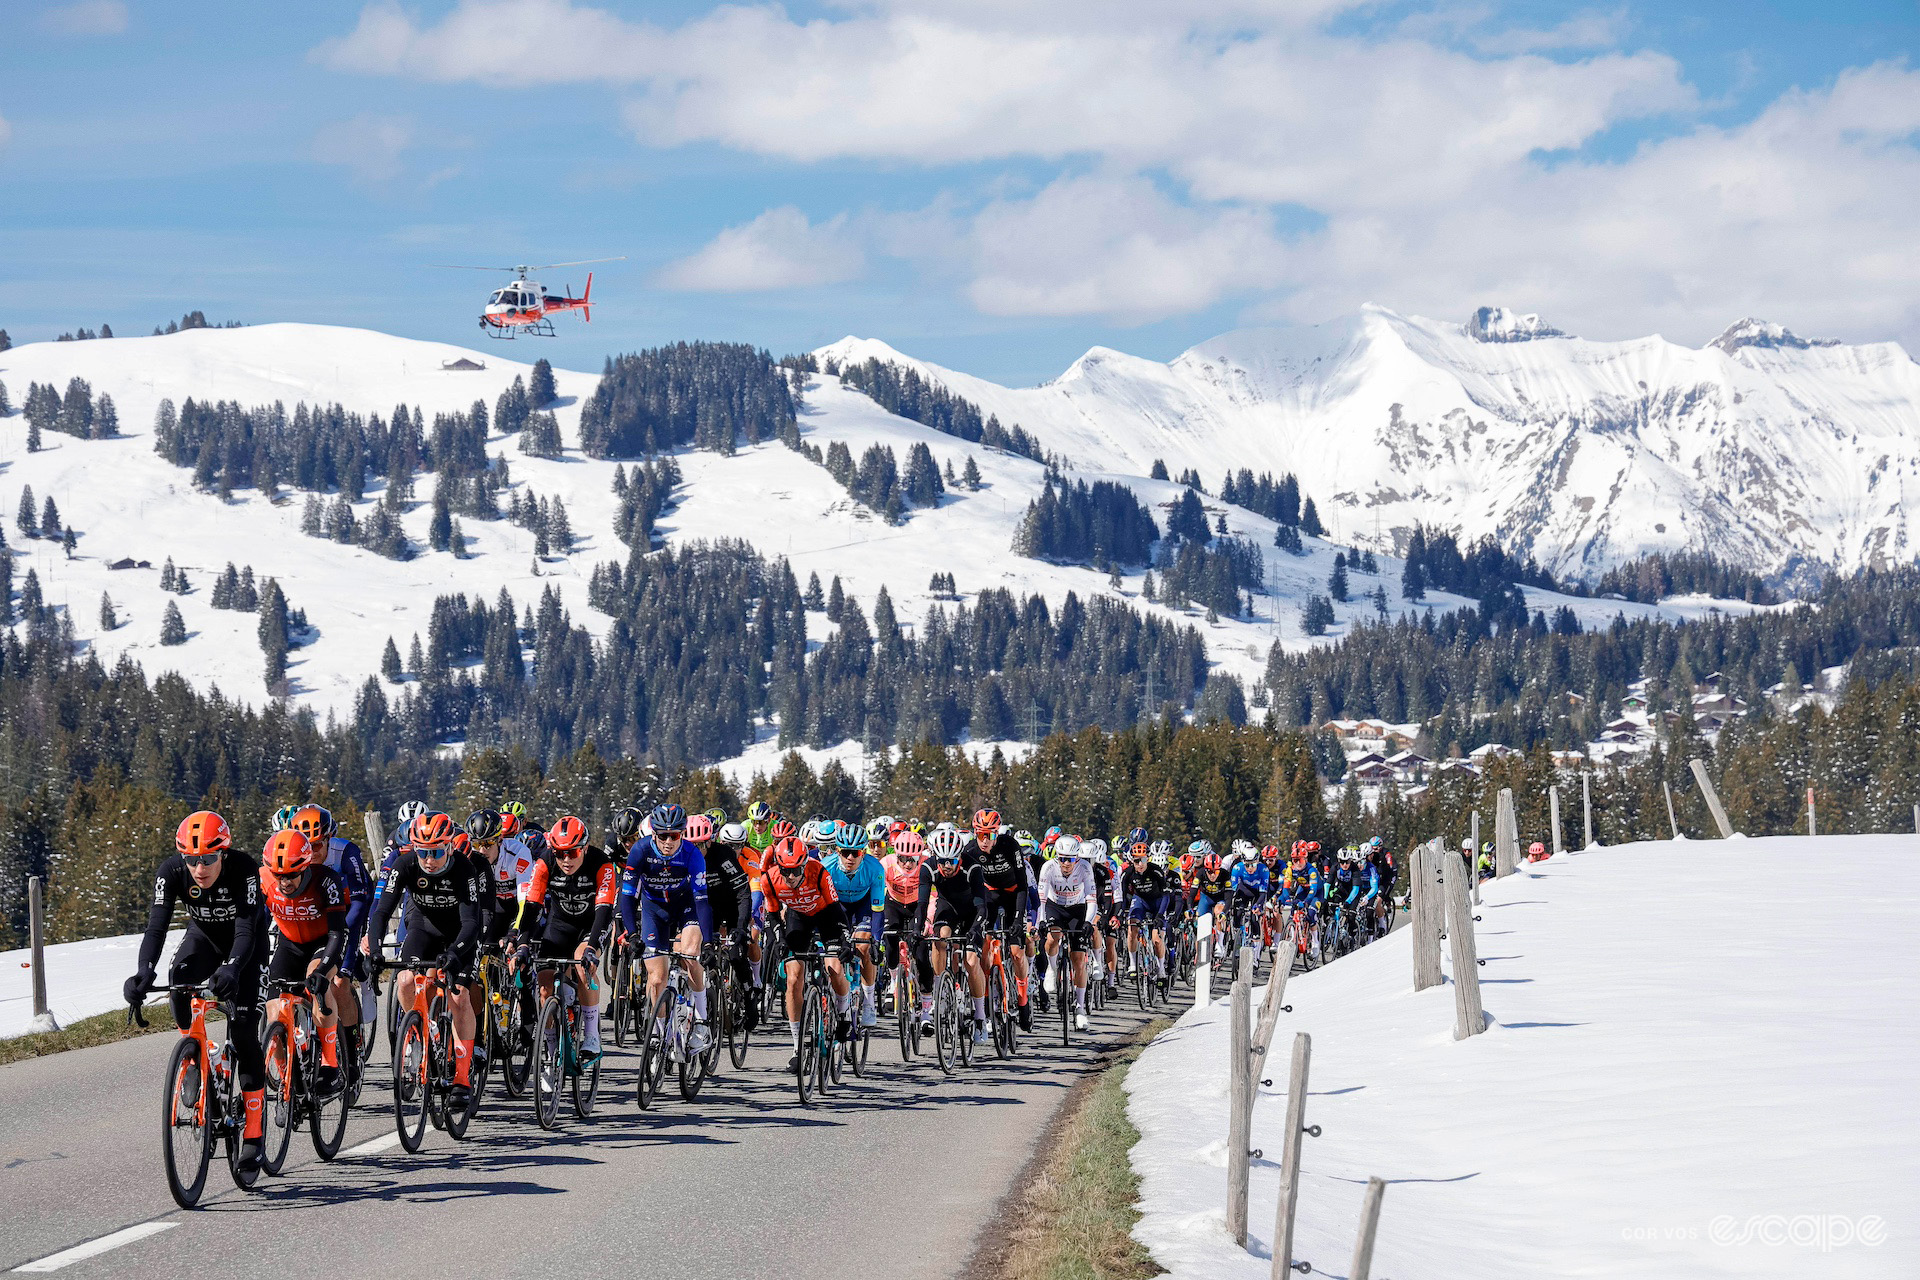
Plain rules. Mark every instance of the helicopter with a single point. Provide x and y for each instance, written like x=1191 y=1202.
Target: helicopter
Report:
x=525 y=306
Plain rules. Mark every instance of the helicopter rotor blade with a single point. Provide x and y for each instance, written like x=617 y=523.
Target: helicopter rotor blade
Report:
x=448 y=266
x=584 y=262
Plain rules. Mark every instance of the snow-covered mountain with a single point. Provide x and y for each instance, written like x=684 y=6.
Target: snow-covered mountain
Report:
x=1763 y=447
x=127 y=502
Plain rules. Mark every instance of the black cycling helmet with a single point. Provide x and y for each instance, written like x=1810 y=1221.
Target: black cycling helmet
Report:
x=483 y=825
x=626 y=825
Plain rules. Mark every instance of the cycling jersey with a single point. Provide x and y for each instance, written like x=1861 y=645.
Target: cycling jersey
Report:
x=864 y=889
x=1075 y=888
x=956 y=897
x=675 y=886
x=344 y=860
x=574 y=903
x=729 y=888
x=903 y=876
x=1148 y=883
x=811 y=895
x=511 y=870
x=308 y=908
x=444 y=904
x=229 y=915
x=1003 y=866
x=1250 y=880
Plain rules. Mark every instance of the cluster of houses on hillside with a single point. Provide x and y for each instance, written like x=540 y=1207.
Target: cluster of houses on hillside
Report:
x=1380 y=752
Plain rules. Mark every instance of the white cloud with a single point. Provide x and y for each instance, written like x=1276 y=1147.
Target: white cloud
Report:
x=370 y=147
x=1418 y=149
x=88 y=18
x=780 y=249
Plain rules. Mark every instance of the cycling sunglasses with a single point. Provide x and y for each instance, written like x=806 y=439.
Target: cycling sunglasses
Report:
x=200 y=859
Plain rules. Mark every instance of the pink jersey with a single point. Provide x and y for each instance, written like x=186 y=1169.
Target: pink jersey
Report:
x=903 y=876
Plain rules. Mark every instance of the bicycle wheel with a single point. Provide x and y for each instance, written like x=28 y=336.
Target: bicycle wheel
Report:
x=807 y=1065
x=548 y=1053
x=279 y=1106
x=516 y=1062
x=1140 y=967
x=458 y=1118
x=439 y=1061
x=326 y=1116
x=946 y=1041
x=904 y=1015
x=186 y=1128
x=653 y=1050
x=996 y=1009
x=617 y=1007
x=1066 y=1002
x=586 y=1079
x=738 y=999
x=963 y=1018
x=693 y=1066
x=410 y=1081
x=832 y=1054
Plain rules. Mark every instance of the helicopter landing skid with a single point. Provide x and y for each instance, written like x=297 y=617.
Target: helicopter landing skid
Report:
x=541 y=328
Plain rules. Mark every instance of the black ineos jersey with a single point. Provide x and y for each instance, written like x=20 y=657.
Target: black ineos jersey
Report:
x=230 y=914
x=1148 y=882
x=1003 y=865
x=447 y=900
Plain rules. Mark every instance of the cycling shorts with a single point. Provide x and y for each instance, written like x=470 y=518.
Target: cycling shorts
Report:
x=292 y=959
x=957 y=913
x=1208 y=902
x=1006 y=909
x=828 y=927
x=425 y=944
x=1155 y=909
x=661 y=923
x=561 y=941
x=1055 y=915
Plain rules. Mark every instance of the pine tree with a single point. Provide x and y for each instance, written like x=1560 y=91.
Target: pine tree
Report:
x=313 y=519
x=457 y=542
x=390 y=662
x=415 y=662
x=69 y=540
x=836 y=600
x=559 y=531
x=27 y=518
x=173 y=627
x=106 y=418
x=1310 y=520
x=970 y=476
x=180 y=584
x=34 y=444
x=246 y=596
x=815 y=599
x=541 y=547
x=49 y=519
x=169 y=576
x=1337 y=581
x=540 y=389
x=1159 y=471
x=108 y=619
x=1413 y=583
x=440 y=529
x=273 y=632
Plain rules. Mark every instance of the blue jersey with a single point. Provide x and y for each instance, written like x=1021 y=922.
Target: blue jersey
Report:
x=1250 y=879
x=663 y=880
x=867 y=884
x=344 y=860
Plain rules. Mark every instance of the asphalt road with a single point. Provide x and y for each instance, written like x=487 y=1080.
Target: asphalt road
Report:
x=742 y=1181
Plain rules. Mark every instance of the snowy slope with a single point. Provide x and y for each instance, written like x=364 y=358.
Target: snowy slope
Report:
x=126 y=501
x=1761 y=447
x=1695 y=1048
x=83 y=979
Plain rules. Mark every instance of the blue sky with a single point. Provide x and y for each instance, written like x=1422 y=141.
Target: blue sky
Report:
x=988 y=187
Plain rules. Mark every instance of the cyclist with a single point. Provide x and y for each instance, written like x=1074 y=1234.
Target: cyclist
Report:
x=1252 y=885
x=1149 y=897
x=570 y=900
x=901 y=920
x=1213 y=884
x=342 y=857
x=666 y=874
x=224 y=946
x=798 y=887
x=954 y=896
x=1004 y=872
x=1069 y=897
x=860 y=882
x=443 y=927
x=309 y=909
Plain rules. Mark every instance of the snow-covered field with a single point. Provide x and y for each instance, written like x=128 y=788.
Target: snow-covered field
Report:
x=127 y=502
x=83 y=978
x=1700 y=1064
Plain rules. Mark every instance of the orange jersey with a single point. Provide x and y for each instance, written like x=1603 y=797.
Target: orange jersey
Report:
x=753 y=860
x=814 y=894
x=308 y=916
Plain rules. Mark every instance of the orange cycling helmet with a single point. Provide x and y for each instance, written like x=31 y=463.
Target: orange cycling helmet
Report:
x=509 y=825
x=461 y=843
x=1212 y=863
x=568 y=834
x=985 y=820
x=430 y=831
x=699 y=828
x=783 y=829
x=789 y=854
x=313 y=822
x=288 y=853
x=203 y=832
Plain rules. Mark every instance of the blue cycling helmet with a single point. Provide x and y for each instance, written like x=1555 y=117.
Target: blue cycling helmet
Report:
x=830 y=831
x=851 y=837
x=1200 y=848
x=668 y=817
x=1136 y=836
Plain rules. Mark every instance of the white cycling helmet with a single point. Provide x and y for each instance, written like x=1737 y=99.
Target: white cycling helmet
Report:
x=1096 y=848
x=1067 y=847
x=409 y=811
x=947 y=843
x=733 y=833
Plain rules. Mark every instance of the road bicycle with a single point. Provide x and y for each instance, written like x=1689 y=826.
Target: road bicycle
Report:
x=506 y=994
x=667 y=1038
x=906 y=1000
x=817 y=1063
x=732 y=1000
x=558 y=1059
x=1070 y=932
x=200 y=1102
x=293 y=1095
x=424 y=1062
x=953 y=1020
x=1003 y=1011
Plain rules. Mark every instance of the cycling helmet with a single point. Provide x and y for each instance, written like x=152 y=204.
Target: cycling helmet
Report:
x=699 y=828
x=788 y=854
x=509 y=825
x=313 y=822
x=283 y=817
x=485 y=825
x=1244 y=849
x=1211 y=861
x=851 y=837
x=1138 y=849
x=881 y=824
x=759 y=811
x=626 y=825
x=203 y=831
x=462 y=843
x=910 y=844
x=287 y=853
x=567 y=834
x=1374 y=844
x=405 y=814
x=809 y=833
x=1536 y=850
x=947 y=844
x=1053 y=833
x=1201 y=848
x=1096 y=848
x=878 y=833
x=986 y=821
x=783 y=830
x=1137 y=836
x=1067 y=848
x=1052 y=851
x=668 y=817
x=1160 y=850
x=430 y=831
x=732 y=833
x=515 y=808
x=826 y=832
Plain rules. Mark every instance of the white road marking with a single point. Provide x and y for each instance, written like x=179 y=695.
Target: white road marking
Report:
x=374 y=1147
x=94 y=1248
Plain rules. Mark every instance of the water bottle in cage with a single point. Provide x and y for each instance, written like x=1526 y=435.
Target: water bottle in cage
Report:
x=683 y=1023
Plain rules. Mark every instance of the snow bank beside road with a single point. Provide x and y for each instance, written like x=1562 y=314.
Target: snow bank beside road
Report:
x=83 y=979
x=1695 y=1049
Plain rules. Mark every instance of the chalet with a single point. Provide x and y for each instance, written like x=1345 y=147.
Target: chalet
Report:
x=1459 y=767
x=131 y=563
x=1490 y=751
x=462 y=365
x=1408 y=766
x=1372 y=773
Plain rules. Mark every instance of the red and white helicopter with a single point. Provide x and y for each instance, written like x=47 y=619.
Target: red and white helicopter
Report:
x=525 y=306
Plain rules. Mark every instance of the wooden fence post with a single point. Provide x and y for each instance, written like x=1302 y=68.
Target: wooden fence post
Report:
x=1362 y=1268
x=43 y=1019
x=1671 y=820
x=1553 y=799
x=1811 y=829
x=1474 y=839
x=1203 y=972
x=1240 y=1104
x=1290 y=1156
x=1506 y=853
x=1713 y=799
x=376 y=837
x=1428 y=911
x=1916 y=819
x=1468 y=1015
x=1586 y=803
